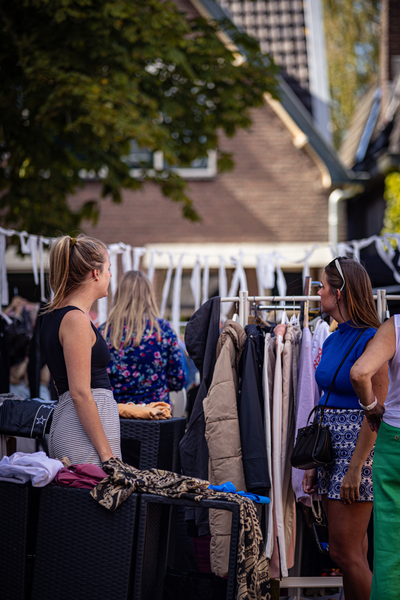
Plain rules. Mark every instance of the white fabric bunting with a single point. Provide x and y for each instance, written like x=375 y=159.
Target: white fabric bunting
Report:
x=102 y=306
x=150 y=272
x=167 y=285
x=195 y=283
x=238 y=281
x=126 y=258
x=113 y=251
x=137 y=254
x=3 y=275
x=268 y=269
x=206 y=279
x=42 y=277
x=176 y=297
x=222 y=280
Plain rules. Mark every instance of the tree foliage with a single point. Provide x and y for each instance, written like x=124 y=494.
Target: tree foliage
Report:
x=81 y=79
x=352 y=42
x=391 y=219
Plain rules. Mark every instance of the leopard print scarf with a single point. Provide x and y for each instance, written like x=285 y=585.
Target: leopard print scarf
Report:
x=252 y=572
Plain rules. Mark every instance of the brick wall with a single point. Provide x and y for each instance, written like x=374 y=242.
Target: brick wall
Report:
x=274 y=194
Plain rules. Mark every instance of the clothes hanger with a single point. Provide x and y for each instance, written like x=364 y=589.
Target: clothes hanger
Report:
x=295 y=319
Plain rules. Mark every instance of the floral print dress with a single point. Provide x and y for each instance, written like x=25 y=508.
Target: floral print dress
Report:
x=146 y=373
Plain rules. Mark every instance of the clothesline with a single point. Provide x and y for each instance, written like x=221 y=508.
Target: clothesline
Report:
x=268 y=270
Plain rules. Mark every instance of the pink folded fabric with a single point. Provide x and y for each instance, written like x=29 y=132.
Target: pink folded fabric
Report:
x=79 y=476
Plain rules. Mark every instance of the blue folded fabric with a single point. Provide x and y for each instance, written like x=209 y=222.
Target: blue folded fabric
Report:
x=230 y=488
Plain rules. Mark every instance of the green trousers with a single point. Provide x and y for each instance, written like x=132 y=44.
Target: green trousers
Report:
x=386 y=479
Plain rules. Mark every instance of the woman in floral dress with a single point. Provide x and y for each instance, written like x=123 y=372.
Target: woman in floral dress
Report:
x=146 y=360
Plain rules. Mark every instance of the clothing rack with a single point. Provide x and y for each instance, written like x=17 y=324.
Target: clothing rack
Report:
x=244 y=299
x=296 y=584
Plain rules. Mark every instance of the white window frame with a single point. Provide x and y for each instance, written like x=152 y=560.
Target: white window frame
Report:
x=207 y=172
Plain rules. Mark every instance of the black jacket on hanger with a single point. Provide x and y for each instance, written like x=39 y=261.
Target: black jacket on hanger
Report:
x=251 y=413
x=4 y=359
x=201 y=336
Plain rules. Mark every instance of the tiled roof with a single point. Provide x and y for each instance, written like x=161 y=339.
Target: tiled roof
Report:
x=279 y=27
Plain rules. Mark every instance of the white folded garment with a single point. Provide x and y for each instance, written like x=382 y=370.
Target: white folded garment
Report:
x=37 y=467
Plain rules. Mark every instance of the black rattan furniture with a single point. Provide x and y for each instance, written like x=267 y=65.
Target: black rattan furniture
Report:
x=83 y=551
x=152 y=444
x=18 y=506
x=153 y=542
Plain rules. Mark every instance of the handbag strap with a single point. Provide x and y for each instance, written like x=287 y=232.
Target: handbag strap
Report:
x=337 y=371
x=317 y=515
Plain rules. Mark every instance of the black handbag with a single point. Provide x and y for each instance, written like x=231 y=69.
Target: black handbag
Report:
x=313 y=447
x=26 y=418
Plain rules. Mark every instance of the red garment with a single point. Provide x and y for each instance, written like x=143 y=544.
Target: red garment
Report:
x=79 y=476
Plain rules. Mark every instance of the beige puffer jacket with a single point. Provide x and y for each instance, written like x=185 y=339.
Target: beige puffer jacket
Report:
x=223 y=437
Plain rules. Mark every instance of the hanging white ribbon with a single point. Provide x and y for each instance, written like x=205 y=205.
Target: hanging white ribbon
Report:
x=102 y=309
x=3 y=280
x=280 y=279
x=195 y=283
x=137 y=254
x=176 y=297
x=269 y=272
x=113 y=251
x=33 y=240
x=306 y=268
x=167 y=285
x=126 y=258
x=222 y=280
x=42 y=277
x=223 y=286
x=238 y=280
x=206 y=279
x=344 y=249
x=150 y=272
x=356 y=251
x=25 y=249
x=387 y=255
x=260 y=270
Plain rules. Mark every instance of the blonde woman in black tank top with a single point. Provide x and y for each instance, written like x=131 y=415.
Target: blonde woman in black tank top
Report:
x=85 y=426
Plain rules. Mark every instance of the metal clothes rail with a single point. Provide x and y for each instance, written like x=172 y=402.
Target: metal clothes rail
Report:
x=244 y=299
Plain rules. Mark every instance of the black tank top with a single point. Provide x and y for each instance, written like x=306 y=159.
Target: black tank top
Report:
x=54 y=355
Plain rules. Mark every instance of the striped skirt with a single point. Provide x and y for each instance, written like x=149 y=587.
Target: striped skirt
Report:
x=67 y=436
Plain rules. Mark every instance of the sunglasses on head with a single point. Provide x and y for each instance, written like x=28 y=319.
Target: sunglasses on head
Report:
x=336 y=263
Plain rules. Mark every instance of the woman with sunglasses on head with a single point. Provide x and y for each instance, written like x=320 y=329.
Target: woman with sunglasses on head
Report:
x=346 y=487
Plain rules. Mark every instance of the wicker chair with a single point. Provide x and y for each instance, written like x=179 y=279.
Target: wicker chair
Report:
x=152 y=444
x=83 y=551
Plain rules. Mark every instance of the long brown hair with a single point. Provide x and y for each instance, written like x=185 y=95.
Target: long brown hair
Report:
x=71 y=260
x=357 y=291
x=134 y=304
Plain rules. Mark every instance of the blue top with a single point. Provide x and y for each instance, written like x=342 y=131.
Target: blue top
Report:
x=333 y=351
x=146 y=373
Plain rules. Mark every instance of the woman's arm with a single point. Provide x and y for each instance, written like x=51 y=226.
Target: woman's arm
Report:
x=364 y=372
x=350 y=488
x=76 y=337
x=310 y=481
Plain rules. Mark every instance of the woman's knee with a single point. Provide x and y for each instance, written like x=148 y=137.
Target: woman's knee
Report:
x=344 y=555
